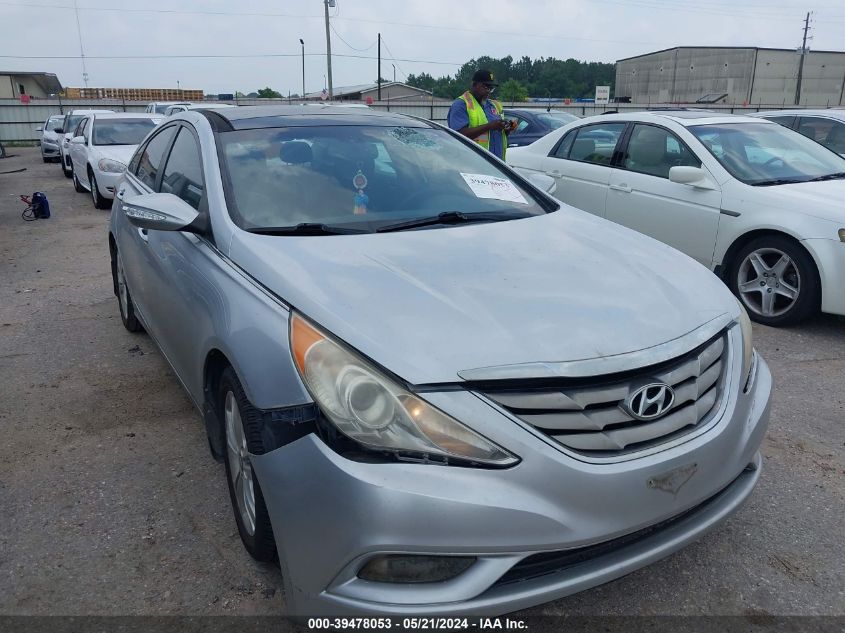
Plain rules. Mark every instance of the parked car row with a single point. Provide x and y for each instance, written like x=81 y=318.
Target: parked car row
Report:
x=502 y=399
x=759 y=204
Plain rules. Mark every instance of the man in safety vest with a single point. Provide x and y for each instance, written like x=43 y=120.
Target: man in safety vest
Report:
x=478 y=117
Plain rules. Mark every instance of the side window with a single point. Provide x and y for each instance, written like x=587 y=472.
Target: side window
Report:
x=149 y=160
x=521 y=123
x=596 y=143
x=815 y=128
x=654 y=151
x=86 y=131
x=183 y=171
x=562 y=149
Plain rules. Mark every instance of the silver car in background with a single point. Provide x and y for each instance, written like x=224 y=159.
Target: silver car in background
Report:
x=435 y=390
x=50 y=137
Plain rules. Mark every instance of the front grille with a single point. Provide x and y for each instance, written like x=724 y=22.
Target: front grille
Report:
x=588 y=417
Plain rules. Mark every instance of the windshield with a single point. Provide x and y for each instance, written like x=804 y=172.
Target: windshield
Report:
x=556 y=119
x=71 y=122
x=121 y=131
x=160 y=108
x=767 y=154
x=361 y=177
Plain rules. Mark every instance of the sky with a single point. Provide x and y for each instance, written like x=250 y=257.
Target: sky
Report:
x=225 y=46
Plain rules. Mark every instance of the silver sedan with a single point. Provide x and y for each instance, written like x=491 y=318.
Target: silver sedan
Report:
x=435 y=389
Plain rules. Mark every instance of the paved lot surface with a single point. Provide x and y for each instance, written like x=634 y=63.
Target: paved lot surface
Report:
x=110 y=503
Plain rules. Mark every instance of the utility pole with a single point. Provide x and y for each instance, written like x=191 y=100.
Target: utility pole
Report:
x=326 y=4
x=379 y=67
x=801 y=63
x=394 y=72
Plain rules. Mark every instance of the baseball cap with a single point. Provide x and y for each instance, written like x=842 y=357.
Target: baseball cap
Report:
x=483 y=77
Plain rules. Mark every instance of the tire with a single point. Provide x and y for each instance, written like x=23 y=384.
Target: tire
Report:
x=242 y=435
x=45 y=159
x=76 y=184
x=99 y=201
x=67 y=172
x=776 y=280
x=124 y=298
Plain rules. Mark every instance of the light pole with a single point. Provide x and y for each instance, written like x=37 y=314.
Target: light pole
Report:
x=301 y=41
x=394 y=72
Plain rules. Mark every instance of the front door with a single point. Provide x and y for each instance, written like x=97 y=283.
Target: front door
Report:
x=642 y=197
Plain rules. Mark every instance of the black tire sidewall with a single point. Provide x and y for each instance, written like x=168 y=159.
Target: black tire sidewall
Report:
x=808 y=298
x=130 y=321
x=262 y=544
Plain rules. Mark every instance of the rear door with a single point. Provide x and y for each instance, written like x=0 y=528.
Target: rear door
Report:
x=642 y=197
x=581 y=165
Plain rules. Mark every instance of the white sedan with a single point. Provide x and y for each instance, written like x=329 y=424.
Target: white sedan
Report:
x=757 y=203
x=101 y=149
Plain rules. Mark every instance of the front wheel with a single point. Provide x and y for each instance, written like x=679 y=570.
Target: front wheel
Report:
x=776 y=280
x=243 y=438
x=76 y=184
x=100 y=202
x=127 y=308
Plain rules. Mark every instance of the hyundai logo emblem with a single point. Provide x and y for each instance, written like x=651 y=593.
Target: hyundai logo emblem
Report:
x=649 y=401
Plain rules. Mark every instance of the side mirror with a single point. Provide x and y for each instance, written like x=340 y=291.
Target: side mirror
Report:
x=692 y=176
x=542 y=181
x=159 y=211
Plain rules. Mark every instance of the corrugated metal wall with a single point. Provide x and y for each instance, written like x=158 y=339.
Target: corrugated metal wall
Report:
x=757 y=76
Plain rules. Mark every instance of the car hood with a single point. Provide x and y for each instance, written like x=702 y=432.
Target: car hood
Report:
x=818 y=199
x=429 y=304
x=120 y=153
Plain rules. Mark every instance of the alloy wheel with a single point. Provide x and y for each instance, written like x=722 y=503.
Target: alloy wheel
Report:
x=240 y=466
x=768 y=282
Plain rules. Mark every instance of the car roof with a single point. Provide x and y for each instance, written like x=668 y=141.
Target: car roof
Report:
x=128 y=115
x=85 y=111
x=250 y=117
x=685 y=118
x=824 y=112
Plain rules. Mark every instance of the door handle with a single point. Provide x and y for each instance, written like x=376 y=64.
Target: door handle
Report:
x=623 y=188
x=145 y=236
x=554 y=173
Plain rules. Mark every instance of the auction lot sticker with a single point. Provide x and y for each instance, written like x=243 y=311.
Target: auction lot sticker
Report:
x=494 y=188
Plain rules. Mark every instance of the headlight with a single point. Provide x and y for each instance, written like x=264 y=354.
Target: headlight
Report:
x=747 y=344
x=377 y=412
x=111 y=166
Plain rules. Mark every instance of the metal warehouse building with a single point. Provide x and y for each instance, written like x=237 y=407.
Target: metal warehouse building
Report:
x=758 y=76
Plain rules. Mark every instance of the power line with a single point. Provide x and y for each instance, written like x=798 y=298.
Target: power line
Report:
x=360 y=50
x=257 y=55
x=393 y=58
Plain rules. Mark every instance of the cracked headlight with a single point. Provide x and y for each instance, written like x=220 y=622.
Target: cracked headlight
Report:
x=108 y=165
x=377 y=412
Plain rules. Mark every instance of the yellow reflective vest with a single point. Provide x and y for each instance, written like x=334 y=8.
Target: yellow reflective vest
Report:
x=477 y=116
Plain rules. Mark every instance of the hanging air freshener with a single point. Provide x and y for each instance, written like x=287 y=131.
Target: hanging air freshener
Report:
x=359 y=181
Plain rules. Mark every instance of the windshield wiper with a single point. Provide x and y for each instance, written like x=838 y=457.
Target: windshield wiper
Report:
x=450 y=217
x=777 y=181
x=836 y=176
x=305 y=228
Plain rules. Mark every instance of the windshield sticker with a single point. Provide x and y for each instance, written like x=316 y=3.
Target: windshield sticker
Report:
x=410 y=136
x=494 y=188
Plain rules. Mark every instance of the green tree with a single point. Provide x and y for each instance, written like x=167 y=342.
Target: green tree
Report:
x=512 y=90
x=268 y=93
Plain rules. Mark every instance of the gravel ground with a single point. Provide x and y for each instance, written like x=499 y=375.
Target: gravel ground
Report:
x=110 y=503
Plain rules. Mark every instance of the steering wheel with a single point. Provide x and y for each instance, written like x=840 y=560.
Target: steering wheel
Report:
x=774 y=159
